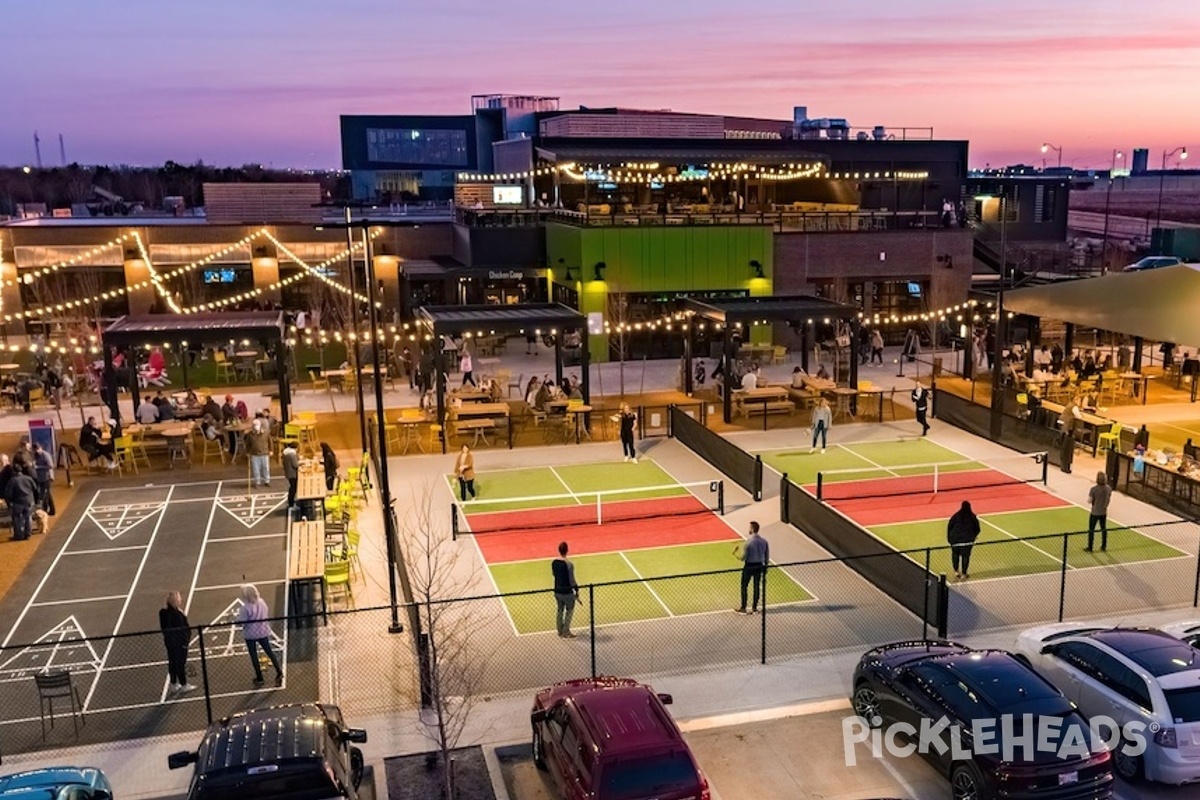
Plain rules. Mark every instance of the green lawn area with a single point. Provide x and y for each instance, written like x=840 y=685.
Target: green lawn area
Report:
x=652 y=599
x=1009 y=558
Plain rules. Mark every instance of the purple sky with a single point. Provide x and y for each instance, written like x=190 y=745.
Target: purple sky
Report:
x=228 y=82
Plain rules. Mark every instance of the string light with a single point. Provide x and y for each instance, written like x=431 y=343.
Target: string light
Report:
x=155 y=279
x=318 y=271
x=30 y=276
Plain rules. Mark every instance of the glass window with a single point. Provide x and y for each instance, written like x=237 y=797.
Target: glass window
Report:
x=647 y=777
x=1184 y=704
x=438 y=147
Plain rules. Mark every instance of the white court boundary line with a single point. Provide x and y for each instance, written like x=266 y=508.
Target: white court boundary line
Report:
x=570 y=491
x=137 y=576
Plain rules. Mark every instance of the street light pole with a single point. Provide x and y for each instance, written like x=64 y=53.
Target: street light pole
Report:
x=1047 y=146
x=997 y=416
x=1162 y=175
x=1107 y=204
x=352 y=348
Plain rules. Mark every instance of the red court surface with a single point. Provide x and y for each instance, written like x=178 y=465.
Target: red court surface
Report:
x=869 y=511
x=534 y=542
x=907 y=485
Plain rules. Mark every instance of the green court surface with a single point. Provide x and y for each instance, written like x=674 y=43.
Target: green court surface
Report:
x=1010 y=558
x=644 y=600
x=543 y=487
x=874 y=459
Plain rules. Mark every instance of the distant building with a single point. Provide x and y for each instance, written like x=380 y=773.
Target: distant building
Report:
x=237 y=203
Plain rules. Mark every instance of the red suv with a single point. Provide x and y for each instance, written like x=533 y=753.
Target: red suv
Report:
x=612 y=739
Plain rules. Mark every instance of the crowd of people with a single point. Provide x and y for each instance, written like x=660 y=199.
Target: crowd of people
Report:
x=25 y=485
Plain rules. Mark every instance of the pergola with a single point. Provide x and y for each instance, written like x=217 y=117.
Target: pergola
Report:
x=134 y=332
x=474 y=321
x=1159 y=305
x=744 y=312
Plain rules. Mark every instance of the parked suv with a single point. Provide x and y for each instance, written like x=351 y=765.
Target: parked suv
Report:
x=1138 y=675
x=612 y=739
x=56 y=783
x=924 y=683
x=297 y=752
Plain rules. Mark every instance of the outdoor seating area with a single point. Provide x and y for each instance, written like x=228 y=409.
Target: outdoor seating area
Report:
x=324 y=560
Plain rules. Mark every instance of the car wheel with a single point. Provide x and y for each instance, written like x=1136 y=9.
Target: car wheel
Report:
x=539 y=755
x=1127 y=766
x=356 y=766
x=866 y=704
x=966 y=783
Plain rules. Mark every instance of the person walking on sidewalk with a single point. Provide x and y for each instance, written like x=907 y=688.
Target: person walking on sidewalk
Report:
x=876 y=346
x=961 y=533
x=468 y=369
x=1098 y=497
x=822 y=421
x=566 y=591
x=176 y=633
x=920 y=398
x=628 y=421
x=754 y=554
x=256 y=630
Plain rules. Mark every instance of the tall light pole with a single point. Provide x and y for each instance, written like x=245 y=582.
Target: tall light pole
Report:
x=1107 y=204
x=1046 y=146
x=997 y=416
x=1162 y=175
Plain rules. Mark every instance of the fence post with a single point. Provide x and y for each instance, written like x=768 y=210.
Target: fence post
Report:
x=925 y=613
x=766 y=573
x=721 y=496
x=453 y=522
x=670 y=415
x=204 y=674
x=1196 y=586
x=592 y=623
x=783 y=498
x=1062 y=580
x=641 y=429
x=943 y=607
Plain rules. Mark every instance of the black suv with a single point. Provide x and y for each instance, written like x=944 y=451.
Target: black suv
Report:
x=297 y=752
x=924 y=683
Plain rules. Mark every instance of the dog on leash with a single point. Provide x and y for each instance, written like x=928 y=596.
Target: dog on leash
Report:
x=41 y=521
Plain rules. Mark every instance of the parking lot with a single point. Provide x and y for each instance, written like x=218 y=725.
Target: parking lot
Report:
x=798 y=757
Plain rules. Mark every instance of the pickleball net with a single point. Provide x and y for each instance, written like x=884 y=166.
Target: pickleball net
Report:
x=923 y=479
x=547 y=512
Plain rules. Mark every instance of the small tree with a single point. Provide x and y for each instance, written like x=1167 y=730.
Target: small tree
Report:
x=455 y=661
x=618 y=328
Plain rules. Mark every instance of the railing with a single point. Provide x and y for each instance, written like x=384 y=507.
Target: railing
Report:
x=781 y=221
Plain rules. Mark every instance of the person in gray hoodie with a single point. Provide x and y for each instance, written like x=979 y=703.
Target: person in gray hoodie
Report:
x=291 y=470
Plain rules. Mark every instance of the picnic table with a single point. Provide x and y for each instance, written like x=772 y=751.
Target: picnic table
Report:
x=480 y=418
x=771 y=398
x=1092 y=423
x=311 y=492
x=306 y=564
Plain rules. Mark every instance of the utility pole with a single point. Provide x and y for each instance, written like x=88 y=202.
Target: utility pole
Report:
x=1107 y=205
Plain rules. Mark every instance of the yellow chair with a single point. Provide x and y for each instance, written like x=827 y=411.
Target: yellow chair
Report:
x=435 y=434
x=211 y=446
x=1112 y=439
x=139 y=447
x=337 y=576
x=224 y=368
x=779 y=354
x=1022 y=405
x=360 y=477
x=352 y=540
x=124 y=454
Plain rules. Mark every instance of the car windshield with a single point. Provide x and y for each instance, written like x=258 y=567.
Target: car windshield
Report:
x=307 y=783
x=1184 y=704
x=627 y=779
x=42 y=777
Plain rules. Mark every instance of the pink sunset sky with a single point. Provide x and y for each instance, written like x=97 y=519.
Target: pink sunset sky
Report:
x=141 y=82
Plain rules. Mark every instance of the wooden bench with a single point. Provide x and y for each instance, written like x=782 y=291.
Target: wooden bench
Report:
x=479 y=426
x=770 y=407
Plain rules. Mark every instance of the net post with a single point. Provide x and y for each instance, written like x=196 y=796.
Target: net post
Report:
x=925 y=613
x=599 y=512
x=758 y=473
x=936 y=474
x=453 y=522
x=721 y=497
x=1045 y=469
x=766 y=571
x=204 y=674
x=820 y=485
x=783 y=498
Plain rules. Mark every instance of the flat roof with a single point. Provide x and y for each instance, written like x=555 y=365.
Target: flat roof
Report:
x=686 y=150
x=794 y=308
x=86 y=222
x=150 y=328
x=484 y=320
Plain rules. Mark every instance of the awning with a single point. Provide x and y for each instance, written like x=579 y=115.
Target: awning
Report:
x=1161 y=305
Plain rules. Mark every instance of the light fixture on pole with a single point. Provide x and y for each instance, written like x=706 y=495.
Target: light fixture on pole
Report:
x=1046 y=146
x=1107 y=205
x=1162 y=174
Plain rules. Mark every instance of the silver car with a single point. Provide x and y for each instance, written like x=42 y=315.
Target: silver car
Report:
x=1139 y=676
